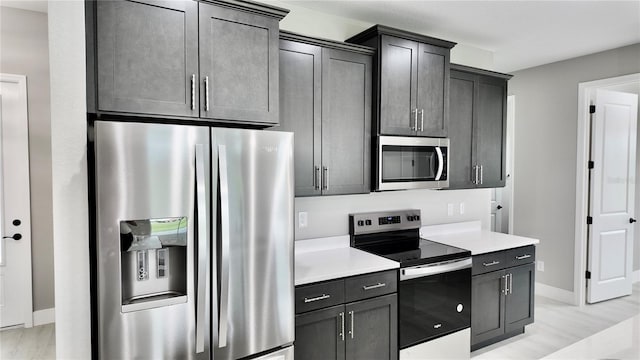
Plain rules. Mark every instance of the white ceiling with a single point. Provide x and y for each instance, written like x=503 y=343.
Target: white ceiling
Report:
x=521 y=34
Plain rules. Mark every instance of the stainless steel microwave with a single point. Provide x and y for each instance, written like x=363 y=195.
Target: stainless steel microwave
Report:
x=411 y=163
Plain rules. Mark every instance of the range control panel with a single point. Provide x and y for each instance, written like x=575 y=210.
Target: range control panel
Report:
x=374 y=222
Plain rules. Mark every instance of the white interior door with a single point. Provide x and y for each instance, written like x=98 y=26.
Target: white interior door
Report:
x=613 y=150
x=15 y=224
x=496 y=209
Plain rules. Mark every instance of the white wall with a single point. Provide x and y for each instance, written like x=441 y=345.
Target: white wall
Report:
x=24 y=50
x=69 y=170
x=546 y=152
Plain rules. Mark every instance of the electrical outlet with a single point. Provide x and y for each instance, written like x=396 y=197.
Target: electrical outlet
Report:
x=461 y=208
x=540 y=265
x=449 y=209
x=302 y=219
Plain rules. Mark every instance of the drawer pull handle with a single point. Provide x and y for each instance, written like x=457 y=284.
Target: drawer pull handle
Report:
x=522 y=257
x=317 y=298
x=371 y=287
x=494 y=262
x=437 y=326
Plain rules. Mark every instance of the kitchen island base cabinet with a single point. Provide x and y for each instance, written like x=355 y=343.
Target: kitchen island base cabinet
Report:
x=502 y=295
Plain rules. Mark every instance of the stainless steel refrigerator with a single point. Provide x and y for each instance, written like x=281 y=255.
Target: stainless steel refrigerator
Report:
x=194 y=242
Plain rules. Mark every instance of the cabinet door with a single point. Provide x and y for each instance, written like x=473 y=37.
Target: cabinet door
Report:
x=432 y=99
x=147 y=55
x=372 y=329
x=398 y=68
x=346 y=122
x=462 y=96
x=300 y=110
x=487 y=306
x=239 y=57
x=520 y=300
x=491 y=128
x=319 y=334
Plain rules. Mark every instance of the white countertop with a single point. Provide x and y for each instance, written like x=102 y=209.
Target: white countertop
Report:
x=332 y=258
x=470 y=236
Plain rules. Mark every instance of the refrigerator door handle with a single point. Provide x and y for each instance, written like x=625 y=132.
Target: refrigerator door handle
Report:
x=224 y=253
x=201 y=291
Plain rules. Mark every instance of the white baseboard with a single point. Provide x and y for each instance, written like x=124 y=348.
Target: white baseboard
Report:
x=635 y=277
x=45 y=316
x=555 y=293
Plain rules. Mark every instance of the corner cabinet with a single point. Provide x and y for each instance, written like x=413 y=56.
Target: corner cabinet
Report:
x=478 y=128
x=215 y=60
x=412 y=82
x=348 y=319
x=325 y=100
x=502 y=295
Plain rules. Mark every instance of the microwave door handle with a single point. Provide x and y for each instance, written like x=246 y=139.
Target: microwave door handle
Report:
x=224 y=252
x=440 y=163
x=203 y=273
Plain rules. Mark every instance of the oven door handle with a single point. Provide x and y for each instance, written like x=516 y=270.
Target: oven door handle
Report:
x=434 y=269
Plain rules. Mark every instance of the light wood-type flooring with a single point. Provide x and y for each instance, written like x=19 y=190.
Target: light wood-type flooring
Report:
x=607 y=330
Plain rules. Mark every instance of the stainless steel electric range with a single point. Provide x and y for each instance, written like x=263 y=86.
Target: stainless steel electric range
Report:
x=434 y=295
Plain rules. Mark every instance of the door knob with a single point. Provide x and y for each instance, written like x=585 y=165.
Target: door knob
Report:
x=499 y=207
x=14 y=237
x=16 y=222
x=632 y=220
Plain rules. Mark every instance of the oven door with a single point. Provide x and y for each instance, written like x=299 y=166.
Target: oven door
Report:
x=412 y=163
x=435 y=300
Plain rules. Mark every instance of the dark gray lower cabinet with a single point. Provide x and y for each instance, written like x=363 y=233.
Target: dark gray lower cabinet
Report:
x=502 y=296
x=477 y=128
x=354 y=318
x=319 y=334
x=325 y=100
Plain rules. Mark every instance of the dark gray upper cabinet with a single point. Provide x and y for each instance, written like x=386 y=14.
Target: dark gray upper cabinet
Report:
x=214 y=60
x=238 y=65
x=478 y=124
x=325 y=100
x=147 y=56
x=411 y=82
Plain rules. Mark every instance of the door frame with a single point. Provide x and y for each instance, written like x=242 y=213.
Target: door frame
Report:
x=585 y=91
x=21 y=82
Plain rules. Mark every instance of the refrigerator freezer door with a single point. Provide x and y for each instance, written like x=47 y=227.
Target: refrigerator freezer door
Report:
x=146 y=177
x=253 y=173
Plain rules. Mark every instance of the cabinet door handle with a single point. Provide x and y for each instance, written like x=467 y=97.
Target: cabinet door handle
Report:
x=193 y=91
x=505 y=289
x=414 y=127
x=522 y=257
x=510 y=283
x=316 y=178
x=421 y=120
x=481 y=174
x=351 y=331
x=206 y=93
x=475 y=179
x=371 y=287
x=325 y=178
x=494 y=262
x=341 y=326
x=317 y=298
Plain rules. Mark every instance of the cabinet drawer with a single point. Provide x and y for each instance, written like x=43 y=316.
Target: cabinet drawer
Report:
x=489 y=262
x=318 y=296
x=521 y=255
x=370 y=285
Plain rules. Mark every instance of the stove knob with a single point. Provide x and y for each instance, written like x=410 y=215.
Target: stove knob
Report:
x=410 y=217
x=368 y=222
x=360 y=223
x=417 y=217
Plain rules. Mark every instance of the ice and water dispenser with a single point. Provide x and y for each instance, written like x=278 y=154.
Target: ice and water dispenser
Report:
x=153 y=260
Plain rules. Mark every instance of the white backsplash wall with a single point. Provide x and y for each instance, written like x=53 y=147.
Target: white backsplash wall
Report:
x=329 y=215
